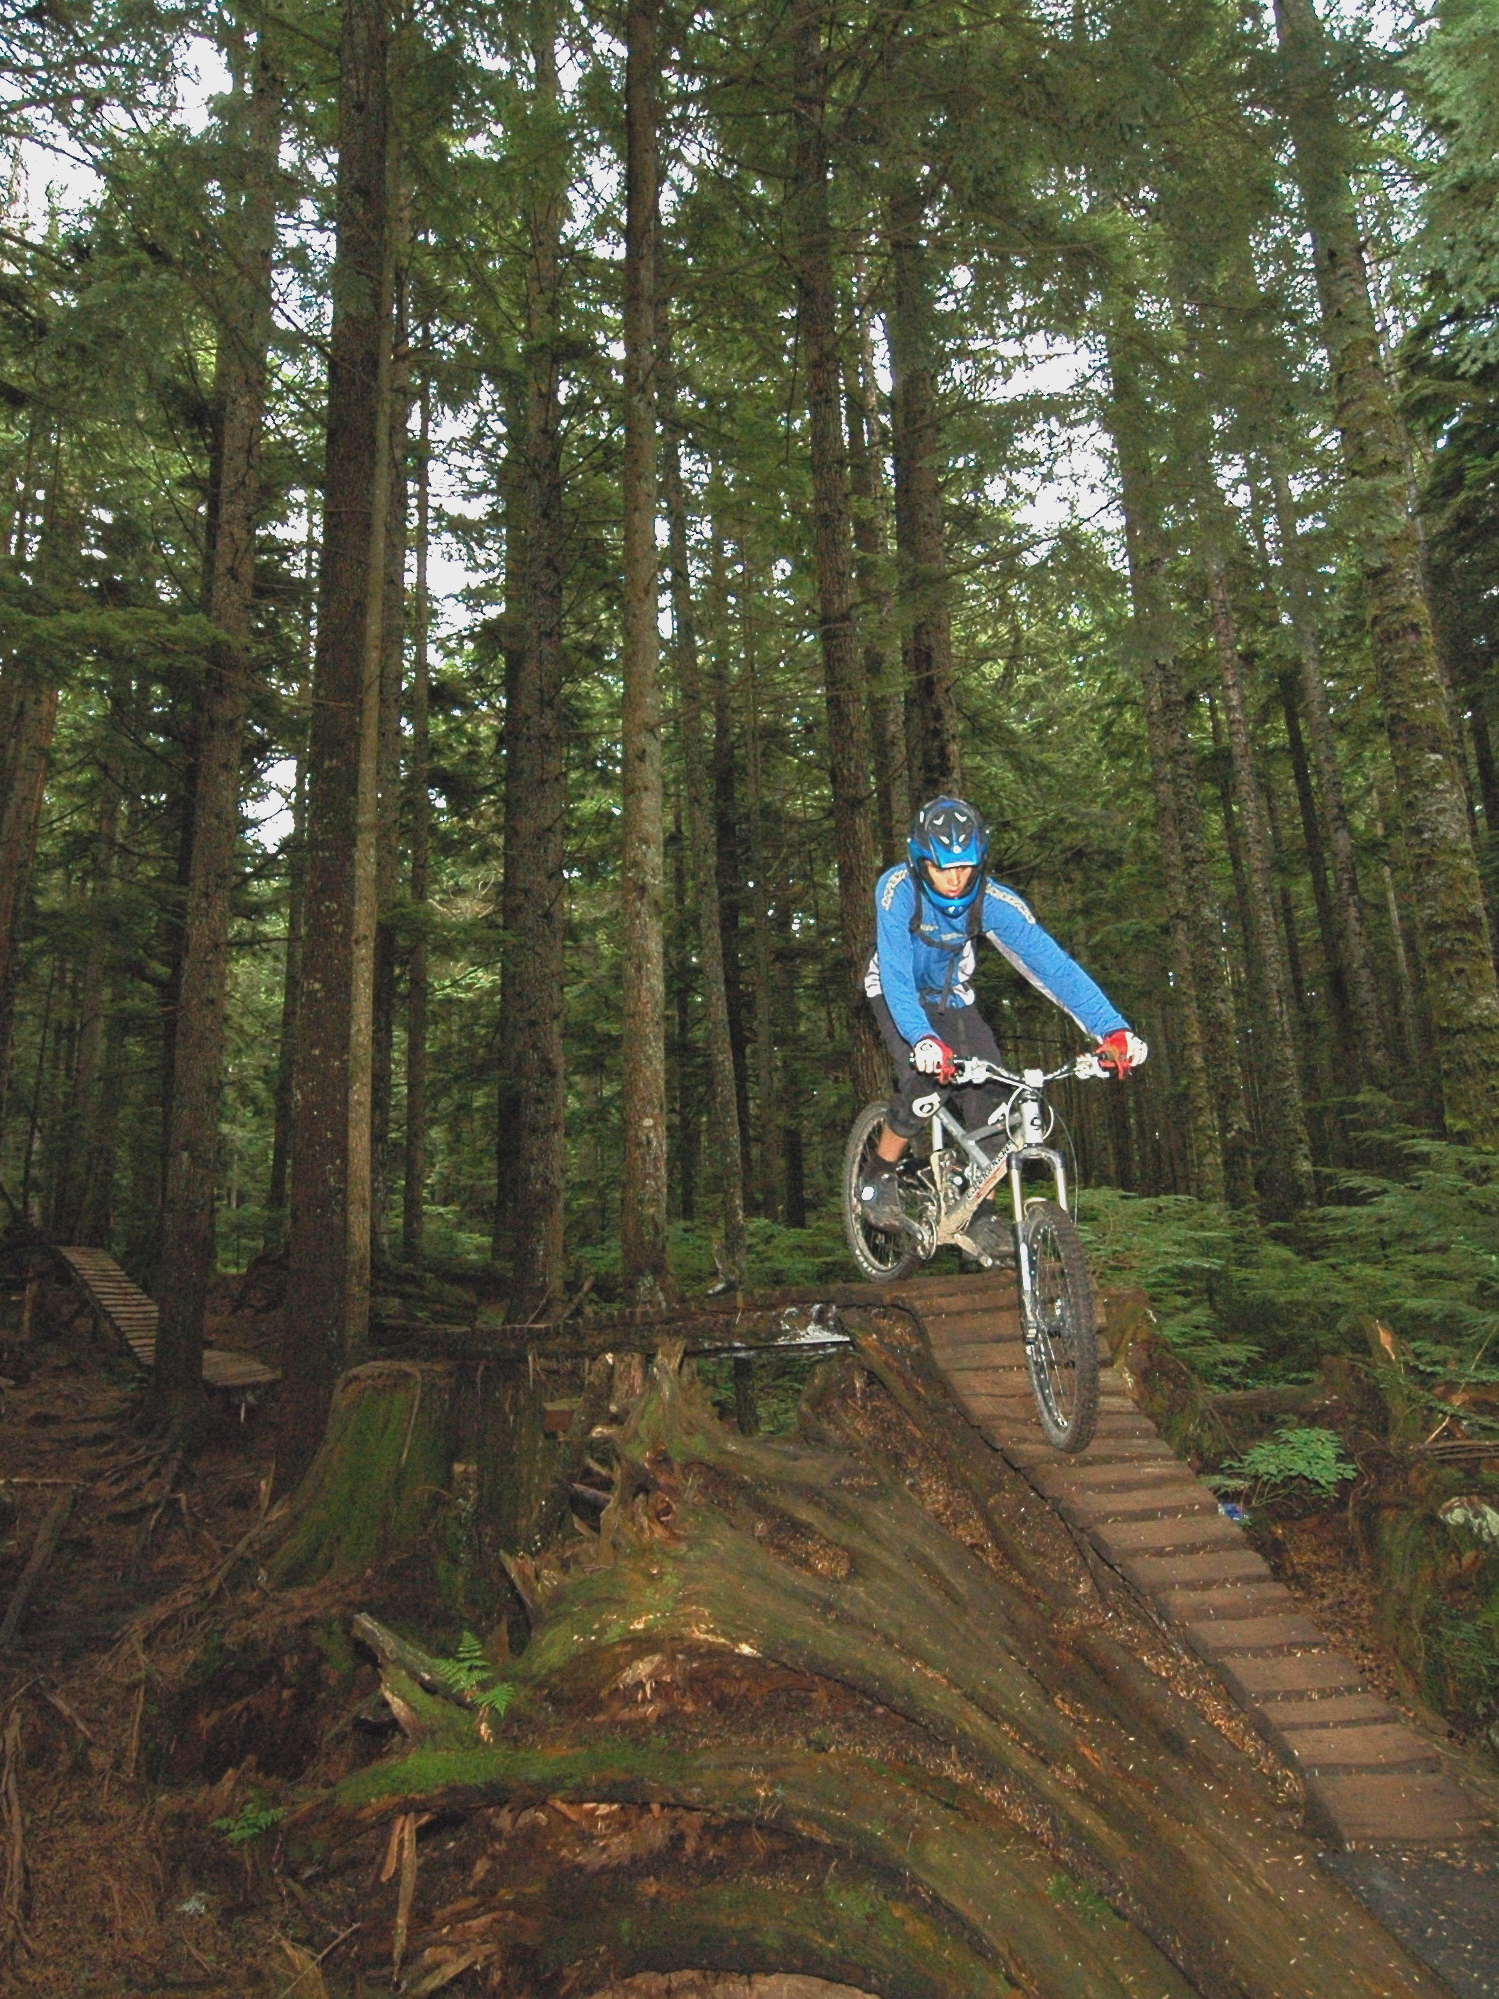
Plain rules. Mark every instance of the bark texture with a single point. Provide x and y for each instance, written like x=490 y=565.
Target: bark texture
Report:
x=769 y=1137
x=849 y=755
x=414 y=1173
x=882 y=660
x=1286 y=1157
x=1222 y=1151
x=29 y=711
x=1353 y=948
x=643 y=860
x=388 y=771
x=533 y=1076
x=932 y=730
x=1451 y=927
x=327 y=1306
x=80 y=1155
x=189 y=1255
x=702 y=838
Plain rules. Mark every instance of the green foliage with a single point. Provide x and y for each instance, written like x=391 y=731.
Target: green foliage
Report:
x=1241 y=1304
x=1305 y=1456
x=254 y=1818
x=471 y=1675
x=776 y=1257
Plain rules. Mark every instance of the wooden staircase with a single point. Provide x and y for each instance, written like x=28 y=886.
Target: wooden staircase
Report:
x=122 y=1309
x=1370 y=1778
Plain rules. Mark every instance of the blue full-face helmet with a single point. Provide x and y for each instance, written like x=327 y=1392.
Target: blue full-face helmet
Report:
x=947 y=833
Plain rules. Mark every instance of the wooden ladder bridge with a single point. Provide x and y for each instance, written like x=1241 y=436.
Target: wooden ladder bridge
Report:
x=122 y=1311
x=1370 y=1777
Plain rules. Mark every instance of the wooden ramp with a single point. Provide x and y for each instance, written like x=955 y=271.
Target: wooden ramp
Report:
x=1369 y=1777
x=123 y=1309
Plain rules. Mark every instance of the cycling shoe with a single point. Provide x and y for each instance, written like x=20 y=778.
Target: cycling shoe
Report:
x=879 y=1201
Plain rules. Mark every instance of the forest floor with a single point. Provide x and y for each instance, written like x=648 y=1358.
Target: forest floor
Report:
x=109 y=1882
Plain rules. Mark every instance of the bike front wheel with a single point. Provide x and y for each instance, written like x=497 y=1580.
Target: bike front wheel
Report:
x=881 y=1257
x=1061 y=1327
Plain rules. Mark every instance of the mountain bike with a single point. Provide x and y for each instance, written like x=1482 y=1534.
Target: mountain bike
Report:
x=945 y=1183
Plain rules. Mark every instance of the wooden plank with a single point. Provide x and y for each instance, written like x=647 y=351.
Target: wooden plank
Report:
x=1368 y=1775
x=135 y=1319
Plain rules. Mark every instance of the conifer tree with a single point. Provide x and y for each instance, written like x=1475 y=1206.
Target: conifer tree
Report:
x=327 y=1309
x=1452 y=928
x=189 y=1256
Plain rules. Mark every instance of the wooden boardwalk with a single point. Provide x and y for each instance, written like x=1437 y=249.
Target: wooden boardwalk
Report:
x=122 y=1308
x=1370 y=1778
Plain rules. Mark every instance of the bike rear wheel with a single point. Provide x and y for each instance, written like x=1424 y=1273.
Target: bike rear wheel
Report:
x=1061 y=1326
x=881 y=1257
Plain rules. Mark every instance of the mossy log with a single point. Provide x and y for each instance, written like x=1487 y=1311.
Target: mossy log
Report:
x=847 y=1705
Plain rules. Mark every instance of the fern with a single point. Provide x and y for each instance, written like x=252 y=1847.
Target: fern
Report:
x=255 y=1817
x=1243 y=1304
x=1293 y=1456
x=471 y=1677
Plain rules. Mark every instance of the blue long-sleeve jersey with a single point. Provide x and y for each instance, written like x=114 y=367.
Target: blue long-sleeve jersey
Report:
x=933 y=963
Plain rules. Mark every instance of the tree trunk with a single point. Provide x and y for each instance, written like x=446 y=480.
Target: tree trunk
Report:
x=726 y=810
x=327 y=1305
x=1316 y=866
x=1205 y=1149
x=849 y=756
x=388 y=773
x=189 y=1252
x=921 y=547
x=1221 y=1147
x=296 y=910
x=1299 y=995
x=702 y=836
x=291 y=993
x=1353 y=931
x=882 y=662
x=414 y=1175
x=684 y=1110
x=533 y=1080
x=80 y=1135
x=1286 y=1163
x=1452 y=933
x=30 y=713
x=642 y=866
x=768 y=1147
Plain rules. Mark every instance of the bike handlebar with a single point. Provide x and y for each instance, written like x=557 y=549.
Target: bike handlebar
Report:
x=974 y=1069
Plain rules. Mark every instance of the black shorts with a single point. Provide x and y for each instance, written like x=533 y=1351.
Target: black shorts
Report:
x=966 y=1032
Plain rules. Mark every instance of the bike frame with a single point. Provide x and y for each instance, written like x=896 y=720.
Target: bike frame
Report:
x=1025 y=1147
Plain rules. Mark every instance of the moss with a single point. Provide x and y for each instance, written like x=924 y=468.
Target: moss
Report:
x=1090 y=1905
x=332 y=1640
x=849 y=1930
x=1438 y=1598
x=378 y=1478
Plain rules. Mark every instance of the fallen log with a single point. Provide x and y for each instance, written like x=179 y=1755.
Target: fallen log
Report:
x=42 y=1550
x=839 y=1706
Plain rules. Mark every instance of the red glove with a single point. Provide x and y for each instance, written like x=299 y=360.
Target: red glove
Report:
x=1121 y=1051
x=934 y=1058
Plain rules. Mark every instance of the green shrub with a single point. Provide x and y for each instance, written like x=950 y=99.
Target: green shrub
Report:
x=1294 y=1456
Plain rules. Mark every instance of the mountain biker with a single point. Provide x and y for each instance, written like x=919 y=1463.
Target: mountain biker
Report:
x=930 y=911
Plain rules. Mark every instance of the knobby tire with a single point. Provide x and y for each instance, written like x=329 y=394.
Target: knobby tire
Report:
x=1061 y=1343
x=881 y=1258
